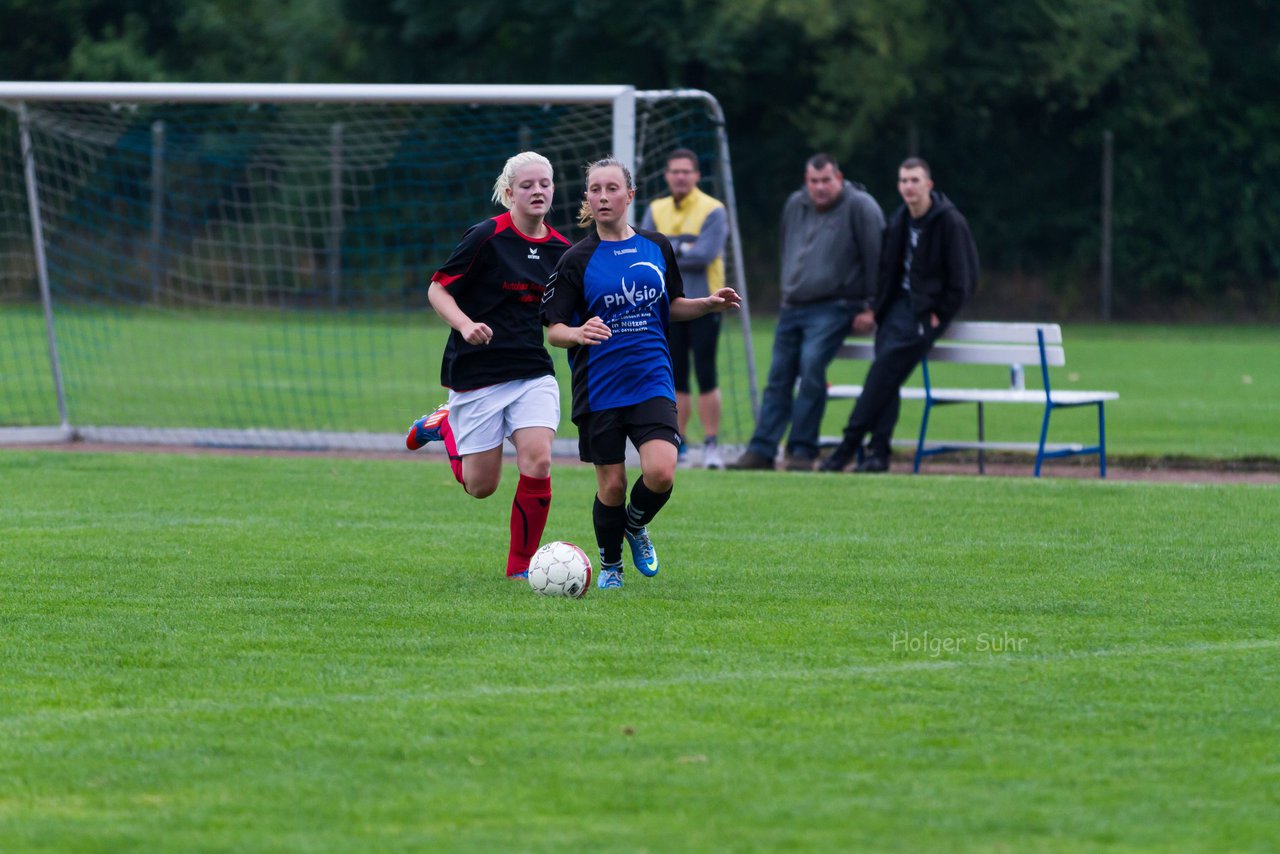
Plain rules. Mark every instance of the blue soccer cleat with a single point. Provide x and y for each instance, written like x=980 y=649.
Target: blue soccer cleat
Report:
x=428 y=428
x=643 y=553
x=518 y=576
x=610 y=579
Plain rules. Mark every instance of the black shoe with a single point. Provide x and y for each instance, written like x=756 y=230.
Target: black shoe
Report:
x=750 y=461
x=838 y=460
x=873 y=464
x=797 y=463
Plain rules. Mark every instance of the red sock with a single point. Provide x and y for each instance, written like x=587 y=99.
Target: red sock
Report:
x=451 y=448
x=529 y=511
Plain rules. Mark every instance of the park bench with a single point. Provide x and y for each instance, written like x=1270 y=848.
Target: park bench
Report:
x=983 y=343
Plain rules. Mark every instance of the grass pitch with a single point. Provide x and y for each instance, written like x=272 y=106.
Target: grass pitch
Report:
x=234 y=653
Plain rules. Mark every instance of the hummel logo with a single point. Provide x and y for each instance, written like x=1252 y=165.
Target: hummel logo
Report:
x=533 y=253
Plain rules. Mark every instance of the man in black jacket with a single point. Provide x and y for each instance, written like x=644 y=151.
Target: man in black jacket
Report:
x=928 y=268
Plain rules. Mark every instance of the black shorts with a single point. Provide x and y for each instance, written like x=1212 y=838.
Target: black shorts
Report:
x=700 y=336
x=603 y=435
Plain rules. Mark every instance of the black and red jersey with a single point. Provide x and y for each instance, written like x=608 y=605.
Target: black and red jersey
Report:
x=497 y=276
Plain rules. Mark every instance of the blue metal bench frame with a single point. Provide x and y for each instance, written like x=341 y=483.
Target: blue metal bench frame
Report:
x=1050 y=405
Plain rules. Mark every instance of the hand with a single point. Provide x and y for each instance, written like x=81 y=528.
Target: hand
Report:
x=723 y=300
x=592 y=332
x=864 y=322
x=476 y=333
x=933 y=320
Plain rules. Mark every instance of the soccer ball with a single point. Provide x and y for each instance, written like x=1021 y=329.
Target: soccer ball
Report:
x=560 y=569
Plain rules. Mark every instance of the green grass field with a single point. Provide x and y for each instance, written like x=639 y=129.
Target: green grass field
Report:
x=264 y=654
x=1200 y=391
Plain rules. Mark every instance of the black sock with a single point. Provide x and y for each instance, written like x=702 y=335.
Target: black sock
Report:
x=645 y=504
x=609 y=524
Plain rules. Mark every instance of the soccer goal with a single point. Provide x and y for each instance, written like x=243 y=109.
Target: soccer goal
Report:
x=246 y=264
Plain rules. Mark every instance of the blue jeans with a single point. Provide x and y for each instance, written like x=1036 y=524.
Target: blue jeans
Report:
x=805 y=343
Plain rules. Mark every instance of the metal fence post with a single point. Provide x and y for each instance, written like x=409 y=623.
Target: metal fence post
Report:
x=157 y=209
x=1108 y=171
x=336 y=221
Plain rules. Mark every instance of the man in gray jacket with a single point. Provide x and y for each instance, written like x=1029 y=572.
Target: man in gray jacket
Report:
x=831 y=231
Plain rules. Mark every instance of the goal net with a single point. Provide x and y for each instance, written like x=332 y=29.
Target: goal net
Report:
x=247 y=265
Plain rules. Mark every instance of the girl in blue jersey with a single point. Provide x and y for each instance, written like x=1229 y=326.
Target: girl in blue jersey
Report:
x=610 y=302
x=501 y=380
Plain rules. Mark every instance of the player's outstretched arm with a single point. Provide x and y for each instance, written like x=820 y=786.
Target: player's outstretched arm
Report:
x=592 y=332
x=724 y=299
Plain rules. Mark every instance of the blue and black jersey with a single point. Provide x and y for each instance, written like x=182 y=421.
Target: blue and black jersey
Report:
x=497 y=276
x=629 y=284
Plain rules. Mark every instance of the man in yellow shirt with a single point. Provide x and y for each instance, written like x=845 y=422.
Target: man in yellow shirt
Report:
x=697 y=226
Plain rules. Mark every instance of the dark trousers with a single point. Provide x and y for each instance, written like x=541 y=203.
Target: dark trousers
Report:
x=902 y=340
x=803 y=346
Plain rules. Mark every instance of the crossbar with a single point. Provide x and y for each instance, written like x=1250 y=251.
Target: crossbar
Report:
x=311 y=93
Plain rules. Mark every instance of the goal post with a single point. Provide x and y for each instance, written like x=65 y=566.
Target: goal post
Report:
x=246 y=264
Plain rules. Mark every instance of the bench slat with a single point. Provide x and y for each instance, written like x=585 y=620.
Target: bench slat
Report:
x=1001 y=446
x=984 y=395
x=1009 y=333
x=968 y=354
x=832 y=441
x=1009 y=395
x=1016 y=354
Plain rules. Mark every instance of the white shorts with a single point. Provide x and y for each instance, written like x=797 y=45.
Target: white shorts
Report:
x=483 y=417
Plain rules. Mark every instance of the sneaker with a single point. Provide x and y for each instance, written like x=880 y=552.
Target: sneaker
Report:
x=751 y=460
x=711 y=458
x=428 y=428
x=518 y=576
x=610 y=579
x=643 y=554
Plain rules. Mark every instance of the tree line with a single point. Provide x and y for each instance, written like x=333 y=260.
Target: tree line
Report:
x=1007 y=99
